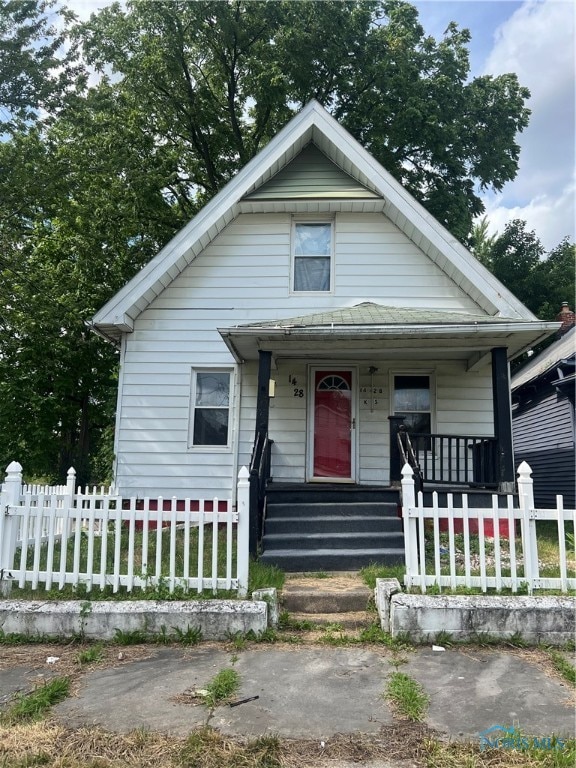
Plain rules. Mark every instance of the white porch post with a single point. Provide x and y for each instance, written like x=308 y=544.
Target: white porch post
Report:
x=9 y=497
x=410 y=525
x=243 y=531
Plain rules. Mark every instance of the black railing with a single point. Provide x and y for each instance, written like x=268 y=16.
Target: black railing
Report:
x=259 y=476
x=457 y=459
x=408 y=456
x=444 y=459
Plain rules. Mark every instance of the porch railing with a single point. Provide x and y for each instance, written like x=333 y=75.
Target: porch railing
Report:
x=456 y=459
x=258 y=477
x=447 y=459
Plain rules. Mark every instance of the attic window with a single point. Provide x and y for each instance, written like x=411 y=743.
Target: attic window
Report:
x=312 y=245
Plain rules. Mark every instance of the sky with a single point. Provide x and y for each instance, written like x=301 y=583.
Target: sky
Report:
x=536 y=40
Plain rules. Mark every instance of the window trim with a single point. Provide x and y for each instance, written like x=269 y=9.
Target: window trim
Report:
x=311 y=220
x=194 y=370
x=431 y=374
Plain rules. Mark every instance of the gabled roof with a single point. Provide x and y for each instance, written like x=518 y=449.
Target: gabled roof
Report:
x=312 y=124
x=558 y=353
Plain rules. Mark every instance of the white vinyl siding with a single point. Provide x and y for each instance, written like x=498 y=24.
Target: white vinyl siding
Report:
x=243 y=277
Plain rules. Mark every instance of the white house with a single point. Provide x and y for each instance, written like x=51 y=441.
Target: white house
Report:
x=311 y=302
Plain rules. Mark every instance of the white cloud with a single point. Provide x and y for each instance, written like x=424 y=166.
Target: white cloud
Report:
x=537 y=43
x=85 y=8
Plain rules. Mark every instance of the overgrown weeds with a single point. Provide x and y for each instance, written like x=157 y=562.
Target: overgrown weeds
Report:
x=30 y=706
x=408 y=696
x=221 y=687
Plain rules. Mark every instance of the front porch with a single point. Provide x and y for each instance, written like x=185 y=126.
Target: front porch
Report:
x=332 y=392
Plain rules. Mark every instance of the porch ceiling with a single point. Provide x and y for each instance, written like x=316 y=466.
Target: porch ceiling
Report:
x=369 y=331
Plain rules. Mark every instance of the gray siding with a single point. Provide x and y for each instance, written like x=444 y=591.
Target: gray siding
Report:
x=543 y=431
x=311 y=175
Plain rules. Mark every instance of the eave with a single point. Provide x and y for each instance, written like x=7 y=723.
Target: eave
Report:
x=471 y=342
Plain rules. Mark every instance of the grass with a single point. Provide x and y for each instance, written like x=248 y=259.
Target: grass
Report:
x=221 y=687
x=53 y=745
x=206 y=748
x=374 y=571
x=408 y=696
x=91 y=654
x=548 y=555
x=261 y=575
x=33 y=705
x=156 y=587
x=563 y=666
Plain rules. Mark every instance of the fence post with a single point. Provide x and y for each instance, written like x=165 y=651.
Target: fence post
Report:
x=410 y=525
x=70 y=491
x=9 y=497
x=71 y=483
x=529 y=541
x=243 y=530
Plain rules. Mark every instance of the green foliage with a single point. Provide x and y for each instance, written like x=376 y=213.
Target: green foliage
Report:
x=33 y=71
x=17 y=638
x=410 y=699
x=374 y=571
x=130 y=637
x=221 y=687
x=91 y=654
x=32 y=705
x=566 y=667
x=542 y=281
x=262 y=575
x=189 y=636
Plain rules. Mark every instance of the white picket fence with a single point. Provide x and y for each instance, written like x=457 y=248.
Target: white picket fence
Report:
x=521 y=563
x=55 y=536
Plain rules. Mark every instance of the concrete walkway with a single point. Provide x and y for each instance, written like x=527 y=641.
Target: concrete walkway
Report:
x=310 y=691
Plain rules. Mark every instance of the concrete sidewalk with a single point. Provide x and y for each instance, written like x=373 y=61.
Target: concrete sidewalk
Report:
x=310 y=691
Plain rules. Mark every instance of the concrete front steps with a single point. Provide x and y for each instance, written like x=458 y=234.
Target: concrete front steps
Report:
x=331 y=528
x=340 y=599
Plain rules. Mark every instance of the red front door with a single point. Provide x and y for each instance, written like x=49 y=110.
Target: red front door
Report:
x=332 y=425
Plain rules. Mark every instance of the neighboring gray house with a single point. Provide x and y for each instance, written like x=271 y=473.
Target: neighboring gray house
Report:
x=543 y=415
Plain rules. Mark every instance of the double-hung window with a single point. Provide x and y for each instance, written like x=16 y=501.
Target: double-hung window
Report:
x=210 y=408
x=312 y=247
x=412 y=400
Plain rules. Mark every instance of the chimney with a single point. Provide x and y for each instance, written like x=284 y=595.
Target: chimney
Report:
x=566 y=317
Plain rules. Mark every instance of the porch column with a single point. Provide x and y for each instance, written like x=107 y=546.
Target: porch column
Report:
x=263 y=397
x=502 y=420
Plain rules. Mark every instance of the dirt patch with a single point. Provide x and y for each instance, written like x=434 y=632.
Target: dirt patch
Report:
x=64 y=660
x=332 y=582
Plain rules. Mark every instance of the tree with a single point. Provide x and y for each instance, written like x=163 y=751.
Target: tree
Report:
x=542 y=281
x=94 y=180
x=79 y=220
x=214 y=81
x=34 y=70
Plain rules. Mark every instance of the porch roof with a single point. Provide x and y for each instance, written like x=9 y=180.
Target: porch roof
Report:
x=369 y=330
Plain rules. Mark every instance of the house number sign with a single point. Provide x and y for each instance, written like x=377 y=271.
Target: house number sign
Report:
x=296 y=391
x=372 y=391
